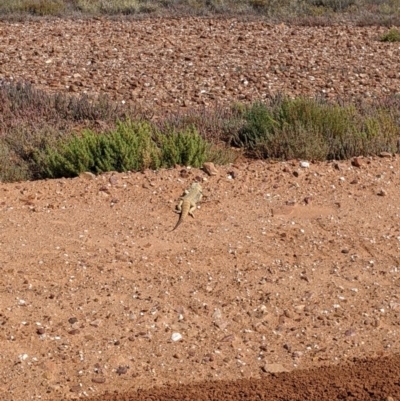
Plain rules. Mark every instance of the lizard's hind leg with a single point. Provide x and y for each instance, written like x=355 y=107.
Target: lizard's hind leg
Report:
x=192 y=209
x=178 y=208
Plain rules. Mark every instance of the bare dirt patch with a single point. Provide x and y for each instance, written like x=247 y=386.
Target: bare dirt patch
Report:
x=283 y=269
x=99 y=294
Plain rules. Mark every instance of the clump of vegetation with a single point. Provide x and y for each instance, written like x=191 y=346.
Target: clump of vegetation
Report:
x=34 y=7
x=315 y=129
x=32 y=120
x=186 y=148
x=393 y=35
x=108 y=7
x=129 y=147
x=364 y=12
x=132 y=146
x=49 y=135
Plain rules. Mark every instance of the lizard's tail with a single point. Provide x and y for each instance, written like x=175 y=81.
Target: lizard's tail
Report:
x=183 y=215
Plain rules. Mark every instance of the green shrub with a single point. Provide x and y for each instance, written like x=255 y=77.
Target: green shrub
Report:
x=42 y=7
x=186 y=148
x=132 y=146
x=315 y=129
x=393 y=35
x=113 y=6
x=129 y=147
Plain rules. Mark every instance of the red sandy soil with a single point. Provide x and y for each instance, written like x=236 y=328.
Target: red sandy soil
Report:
x=283 y=269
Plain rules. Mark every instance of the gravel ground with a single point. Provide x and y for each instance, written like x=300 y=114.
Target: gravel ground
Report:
x=171 y=63
x=286 y=266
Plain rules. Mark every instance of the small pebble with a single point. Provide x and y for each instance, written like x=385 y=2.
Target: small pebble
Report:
x=176 y=336
x=350 y=333
x=98 y=380
x=113 y=179
x=356 y=162
x=122 y=370
x=210 y=168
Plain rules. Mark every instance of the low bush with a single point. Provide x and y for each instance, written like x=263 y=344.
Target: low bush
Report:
x=393 y=35
x=315 y=129
x=186 y=148
x=36 y=7
x=132 y=146
x=129 y=147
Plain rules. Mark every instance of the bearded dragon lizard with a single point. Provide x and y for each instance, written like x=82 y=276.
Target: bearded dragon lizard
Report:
x=188 y=201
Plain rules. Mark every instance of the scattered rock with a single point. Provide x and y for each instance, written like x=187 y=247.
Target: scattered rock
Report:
x=221 y=324
x=304 y=164
x=210 y=168
x=385 y=154
x=184 y=173
x=75 y=389
x=350 y=333
x=105 y=189
x=382 y=192
x=121 y=370
x=274 y=368
x=287 y=347
x=176 y=337
x=97 y=368
x=297 y=354
x=113 y=179
x=98 y=380
x=87 y=175
x=356 y=162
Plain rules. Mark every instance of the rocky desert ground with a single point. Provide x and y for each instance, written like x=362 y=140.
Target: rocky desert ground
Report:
x=285 y=284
